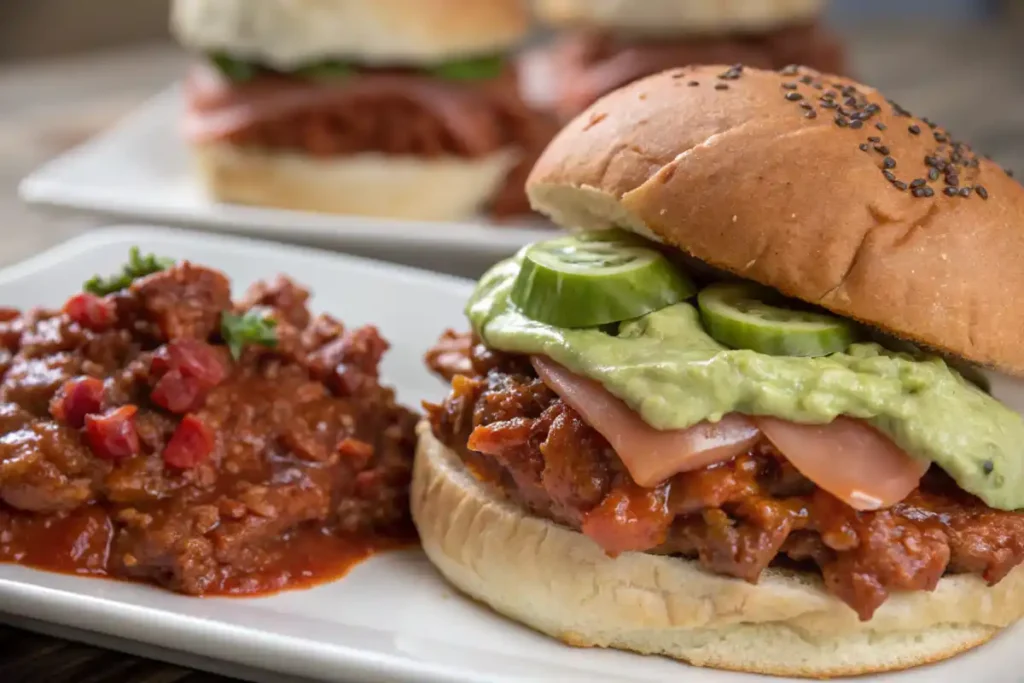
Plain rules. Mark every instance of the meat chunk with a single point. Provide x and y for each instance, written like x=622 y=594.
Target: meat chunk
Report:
x=283 y=296
x=191 y=548
x=45 y=468
x=185 y=301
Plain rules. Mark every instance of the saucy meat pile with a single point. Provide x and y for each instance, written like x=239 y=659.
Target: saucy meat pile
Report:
x=736 y=518
x=385 y=111
x=162 y=432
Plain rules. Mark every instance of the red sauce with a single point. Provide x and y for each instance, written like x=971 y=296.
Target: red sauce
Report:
x=79 y=543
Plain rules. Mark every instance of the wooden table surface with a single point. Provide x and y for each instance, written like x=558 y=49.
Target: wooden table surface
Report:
x=970 y=79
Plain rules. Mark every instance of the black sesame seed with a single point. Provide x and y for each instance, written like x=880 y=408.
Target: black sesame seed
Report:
x=933 y=174
x=951 y=191
x=882 y=149
x=952 y=179
x=857 y=124
x=931 y=124
x=890 y=176
x=1008 y=171
x=965 y=192
x=915 y=129
x=918 y=182
x=900 y=185
x=693 y=84
x=679 y=74
x=811 y=114
x=794 y=96
x=806 y=105
x=790 y=85
x=864 y=147
x=874 y=138
x=988 y=467
x=940 y=137
x=828 y=104
x=790 y=70
x=721 y=86
x=920 y=191
x=982 y=192
x=888 y=162
x=842 y=122
x=928 y=192
x=806 y=80
x=880 y=126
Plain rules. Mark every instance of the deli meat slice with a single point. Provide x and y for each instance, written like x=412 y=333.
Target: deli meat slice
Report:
x=217 y=108
x=650 y=455
x=846 y=457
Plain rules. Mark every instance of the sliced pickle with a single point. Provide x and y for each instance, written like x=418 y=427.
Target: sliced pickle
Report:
x=746 y=316
x=595 y=279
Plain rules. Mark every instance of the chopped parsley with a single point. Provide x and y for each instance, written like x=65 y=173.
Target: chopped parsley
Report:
x=138 y=265
x=253 y=327
x=235 y=70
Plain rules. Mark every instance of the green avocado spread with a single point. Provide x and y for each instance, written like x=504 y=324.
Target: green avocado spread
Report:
x=665 y=366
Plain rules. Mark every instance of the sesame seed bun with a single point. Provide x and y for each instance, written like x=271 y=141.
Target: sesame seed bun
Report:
x=561 y=583
x=842 y=202
x=677 y=17
x=290 y=33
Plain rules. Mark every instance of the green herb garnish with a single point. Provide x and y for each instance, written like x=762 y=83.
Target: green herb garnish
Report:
x=253 y=327
x=326 y=71
x=236 y=70
x=475 y=69
x=138 y=265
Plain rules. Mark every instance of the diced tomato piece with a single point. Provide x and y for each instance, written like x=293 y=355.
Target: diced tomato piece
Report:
x=91 y=312
x=191 y=444
x=177 y=393
x=77 y=398
x=198 y=360
x=355 y=451
x=112 y=436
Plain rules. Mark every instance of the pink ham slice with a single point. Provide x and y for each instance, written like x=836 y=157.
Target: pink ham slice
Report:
x=650 y=455
x=218 y=108
x=846 y=457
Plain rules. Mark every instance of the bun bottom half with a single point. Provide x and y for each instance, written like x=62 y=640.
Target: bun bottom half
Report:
x=377 y=185
x=561 y=583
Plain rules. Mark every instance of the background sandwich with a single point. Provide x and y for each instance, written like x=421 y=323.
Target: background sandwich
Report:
x=403 y=108
x=773 y=427
x=606 y=44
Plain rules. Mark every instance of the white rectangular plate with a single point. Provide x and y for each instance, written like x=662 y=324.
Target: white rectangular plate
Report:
x=140 y=170
x=392 y=618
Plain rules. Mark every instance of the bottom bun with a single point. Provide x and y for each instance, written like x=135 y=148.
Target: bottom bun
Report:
x=381 y=185
x=561 y=583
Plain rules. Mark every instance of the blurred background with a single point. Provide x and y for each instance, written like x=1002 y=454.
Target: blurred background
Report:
x=69 y=68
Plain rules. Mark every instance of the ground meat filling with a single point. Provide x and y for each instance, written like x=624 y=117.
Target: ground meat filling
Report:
x=126 y=423
x=592 y=63
x=736 y=518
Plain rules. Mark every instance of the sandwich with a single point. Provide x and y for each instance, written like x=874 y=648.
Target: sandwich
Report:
x=606 y=44
x=761 y=410
x=399 y=108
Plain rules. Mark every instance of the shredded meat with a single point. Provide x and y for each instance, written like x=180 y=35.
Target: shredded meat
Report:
x=590 y=63
x=736 y=518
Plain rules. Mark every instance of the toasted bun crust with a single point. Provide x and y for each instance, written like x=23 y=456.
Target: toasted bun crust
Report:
x=288 y=33
x=365 y=184
x=677 y=17
x=561 y=583
x=734 y=173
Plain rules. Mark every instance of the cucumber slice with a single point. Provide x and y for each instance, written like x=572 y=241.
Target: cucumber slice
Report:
x=595 y=279
x=746 y=316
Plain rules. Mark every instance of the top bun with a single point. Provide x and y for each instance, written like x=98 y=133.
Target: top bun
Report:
x=290 y=33
x=814 y=185
x=675 y=17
